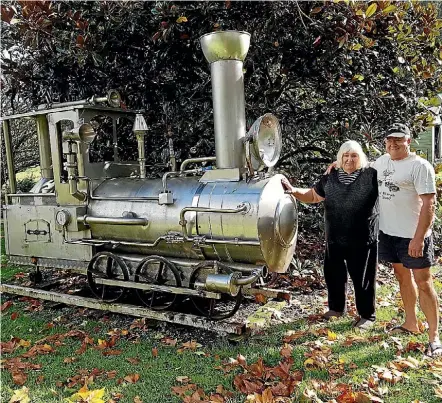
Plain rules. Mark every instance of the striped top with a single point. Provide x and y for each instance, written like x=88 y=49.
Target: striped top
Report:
x=346 y=178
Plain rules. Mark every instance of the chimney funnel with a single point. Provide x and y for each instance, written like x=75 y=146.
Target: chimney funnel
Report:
x=226 y=51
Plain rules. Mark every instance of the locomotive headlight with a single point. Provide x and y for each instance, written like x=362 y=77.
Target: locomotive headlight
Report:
x=266 y=141
x=63 y=217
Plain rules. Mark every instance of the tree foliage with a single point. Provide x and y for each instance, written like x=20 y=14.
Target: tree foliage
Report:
x=330 y=70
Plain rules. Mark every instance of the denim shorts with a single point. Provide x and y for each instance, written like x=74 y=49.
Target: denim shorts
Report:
x=394 y=249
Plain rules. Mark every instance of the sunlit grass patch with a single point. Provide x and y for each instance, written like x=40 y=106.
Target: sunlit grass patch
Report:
x=29 y=173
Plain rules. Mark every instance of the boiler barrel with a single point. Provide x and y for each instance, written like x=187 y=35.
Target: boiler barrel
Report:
x=263 y=234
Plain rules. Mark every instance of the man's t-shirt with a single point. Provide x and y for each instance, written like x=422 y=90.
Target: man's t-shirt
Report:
x=400 y=184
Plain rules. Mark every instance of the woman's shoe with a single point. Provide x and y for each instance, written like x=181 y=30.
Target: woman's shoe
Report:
x=332 y=314
x=364 y=324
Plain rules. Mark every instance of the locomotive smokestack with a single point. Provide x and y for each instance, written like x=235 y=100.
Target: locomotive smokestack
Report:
x=226 y=51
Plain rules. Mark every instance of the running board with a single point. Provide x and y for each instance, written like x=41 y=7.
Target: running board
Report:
x=126 y=309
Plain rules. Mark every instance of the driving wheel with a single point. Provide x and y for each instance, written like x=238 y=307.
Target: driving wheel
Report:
x=215 y=309
x=159 y=271
x=107 y=265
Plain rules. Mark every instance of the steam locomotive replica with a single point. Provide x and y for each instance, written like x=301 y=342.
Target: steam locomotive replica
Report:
x=204 y=233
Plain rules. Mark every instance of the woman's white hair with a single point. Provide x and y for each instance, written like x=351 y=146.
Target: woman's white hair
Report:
x=355 y=147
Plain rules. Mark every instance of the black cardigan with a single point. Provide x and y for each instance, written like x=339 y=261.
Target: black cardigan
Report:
x=351 y=211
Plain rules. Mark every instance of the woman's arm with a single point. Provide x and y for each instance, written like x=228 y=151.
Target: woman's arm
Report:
x=305 y=195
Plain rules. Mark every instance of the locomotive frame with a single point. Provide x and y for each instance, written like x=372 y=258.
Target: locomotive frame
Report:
x=199 y=233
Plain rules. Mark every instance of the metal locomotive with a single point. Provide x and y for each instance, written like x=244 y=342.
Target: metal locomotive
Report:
x=203 y=233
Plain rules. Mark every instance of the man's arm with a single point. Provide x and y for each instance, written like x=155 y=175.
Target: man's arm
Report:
x=334 y=164
x=426 y=217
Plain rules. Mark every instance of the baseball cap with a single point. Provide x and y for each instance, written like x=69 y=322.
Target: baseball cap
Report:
x=398 y=130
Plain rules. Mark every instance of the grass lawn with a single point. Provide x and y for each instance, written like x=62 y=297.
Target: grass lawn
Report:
x=29 y=173
x=137 y=361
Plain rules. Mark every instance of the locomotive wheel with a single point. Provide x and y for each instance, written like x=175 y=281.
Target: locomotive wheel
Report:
x=160 y=271
x=213 y=309
x=110 y=266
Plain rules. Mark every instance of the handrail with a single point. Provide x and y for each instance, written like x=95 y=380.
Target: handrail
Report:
x=242 y=208
x=176 y=173
x=193 y=160
x=30 y=194
x=112 y=220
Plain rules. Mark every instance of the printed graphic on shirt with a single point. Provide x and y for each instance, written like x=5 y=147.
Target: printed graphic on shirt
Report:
x=389 y=189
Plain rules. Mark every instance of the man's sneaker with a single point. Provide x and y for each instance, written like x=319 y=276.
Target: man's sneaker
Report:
x=364 y=324
x=332 y=314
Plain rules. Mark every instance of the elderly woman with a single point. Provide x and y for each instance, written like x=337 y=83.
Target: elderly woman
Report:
x=350 y=196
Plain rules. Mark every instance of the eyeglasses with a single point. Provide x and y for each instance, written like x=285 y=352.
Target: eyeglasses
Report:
x=395 y=140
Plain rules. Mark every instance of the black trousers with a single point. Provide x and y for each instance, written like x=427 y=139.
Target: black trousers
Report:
x=360 y=262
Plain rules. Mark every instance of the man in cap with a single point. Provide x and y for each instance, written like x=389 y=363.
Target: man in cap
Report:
x=407 y=207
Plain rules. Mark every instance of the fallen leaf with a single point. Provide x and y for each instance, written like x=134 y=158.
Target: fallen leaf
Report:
x=102 y=344
x=189 y=345
x=409 y=362
x=137 y=399
x=181 y=391
x=19 y=378
x=8 y=346
x=111 y=374
x=133 y=378
x=134 y=361
x=20 y=396
x=286 y=351
x=112 y=352
x=215 y=398
x=182 y=379
x=154 y=352
x=415 y=346
x=310 y=395
x=24 y=343
x=422 y=326
x=169 y=341
x=292 y=335
x=70 y=360
x=350 y=340
x=361 y=397
x=260 y=298
x=267 y=396
x=117 y=396
x=246 y=386
x=309 y=362
x=89 y=396
x=223 y=392
x=331 y=336
x=82 y=349
x=241 y=359
x=14 y=315
x=38 y=349
x=6 y=305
